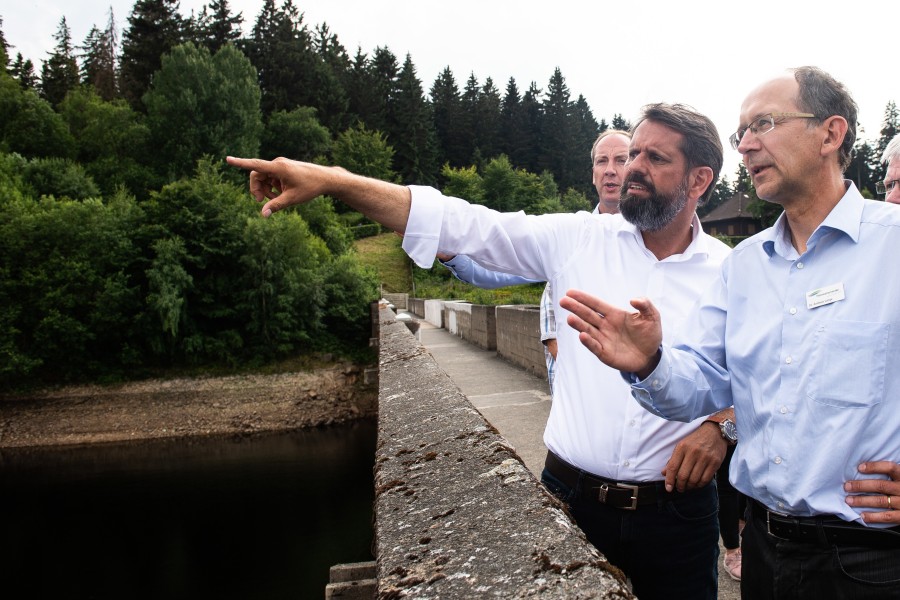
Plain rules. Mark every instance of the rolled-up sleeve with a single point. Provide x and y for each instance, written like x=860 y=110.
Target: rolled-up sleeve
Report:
x=423 y=228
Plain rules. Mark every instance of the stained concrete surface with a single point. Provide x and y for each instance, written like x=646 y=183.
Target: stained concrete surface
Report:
x=514 y=401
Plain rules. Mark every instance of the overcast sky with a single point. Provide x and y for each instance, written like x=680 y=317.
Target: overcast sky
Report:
x=708 y=54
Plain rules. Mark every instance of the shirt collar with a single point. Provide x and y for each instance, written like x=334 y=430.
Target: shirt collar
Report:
x=699 y=245
x=844 y=217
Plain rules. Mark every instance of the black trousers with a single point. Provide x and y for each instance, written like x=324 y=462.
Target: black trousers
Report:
x=774 y=569
x=669 y=550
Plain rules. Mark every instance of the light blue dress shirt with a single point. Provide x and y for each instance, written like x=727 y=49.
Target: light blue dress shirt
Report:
x=800 y=344
x=468 y=271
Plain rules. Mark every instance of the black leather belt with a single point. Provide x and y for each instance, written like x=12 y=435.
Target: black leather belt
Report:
x=618 y=494
x=825 y=530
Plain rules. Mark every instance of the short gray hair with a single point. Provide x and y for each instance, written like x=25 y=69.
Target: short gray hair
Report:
x=892 y=151
x=824 y=96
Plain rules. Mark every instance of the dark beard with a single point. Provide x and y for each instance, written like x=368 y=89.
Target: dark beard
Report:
x=656 y=210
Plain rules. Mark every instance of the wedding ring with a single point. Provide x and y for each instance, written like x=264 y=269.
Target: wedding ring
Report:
x=889 y=503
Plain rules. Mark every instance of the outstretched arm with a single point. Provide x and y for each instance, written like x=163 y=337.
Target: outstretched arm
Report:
x=281 y=183
x=627 y=341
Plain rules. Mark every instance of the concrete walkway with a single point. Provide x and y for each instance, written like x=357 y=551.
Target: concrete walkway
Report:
x=512 y=400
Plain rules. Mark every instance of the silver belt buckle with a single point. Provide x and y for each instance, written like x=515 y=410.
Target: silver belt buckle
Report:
x=604 y=490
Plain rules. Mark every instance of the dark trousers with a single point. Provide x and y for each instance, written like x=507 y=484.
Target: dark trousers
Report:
x=669 y=550
x=732 y=505
x=783 y=570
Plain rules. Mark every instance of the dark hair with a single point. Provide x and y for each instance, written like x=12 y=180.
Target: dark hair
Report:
x=700 y=142
x=824 y=96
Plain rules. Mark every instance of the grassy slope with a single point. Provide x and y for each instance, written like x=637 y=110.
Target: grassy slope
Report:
x=384 y=254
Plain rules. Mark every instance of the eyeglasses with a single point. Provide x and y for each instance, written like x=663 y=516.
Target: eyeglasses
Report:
x=764 y=124
x=886 y=187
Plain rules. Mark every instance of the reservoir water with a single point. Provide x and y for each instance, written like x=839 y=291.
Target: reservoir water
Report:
x=255 y=517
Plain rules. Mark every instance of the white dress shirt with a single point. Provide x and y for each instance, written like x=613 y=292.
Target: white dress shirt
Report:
x=594 y=423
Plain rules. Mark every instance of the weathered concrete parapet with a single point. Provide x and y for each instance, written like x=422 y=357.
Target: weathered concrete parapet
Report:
x=400 y=301
x=519 y=337
x=416 y=306
x=475 y=323
x=434 y=312
x=457 y=513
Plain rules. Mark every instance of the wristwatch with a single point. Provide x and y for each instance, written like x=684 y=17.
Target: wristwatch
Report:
x=728 y=429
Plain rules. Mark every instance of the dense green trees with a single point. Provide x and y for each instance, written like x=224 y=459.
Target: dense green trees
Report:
x=202 y=105
x=125 y=246
x=117 y=287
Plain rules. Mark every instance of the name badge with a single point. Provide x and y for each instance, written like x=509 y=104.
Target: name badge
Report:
x=825 y=295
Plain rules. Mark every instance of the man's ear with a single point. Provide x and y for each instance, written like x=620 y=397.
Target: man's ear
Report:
x=835 y=128
x=701 y=179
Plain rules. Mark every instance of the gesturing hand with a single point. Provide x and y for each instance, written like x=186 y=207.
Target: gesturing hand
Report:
x=283 y=182
x=627 y=341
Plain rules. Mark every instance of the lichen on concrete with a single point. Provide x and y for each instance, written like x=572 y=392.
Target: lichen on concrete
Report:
x=457 y=513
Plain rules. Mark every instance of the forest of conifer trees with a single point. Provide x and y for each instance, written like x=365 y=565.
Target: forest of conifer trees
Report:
x=125 y=242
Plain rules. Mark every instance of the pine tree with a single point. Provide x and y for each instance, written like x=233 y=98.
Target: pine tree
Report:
x=98 y=60
x=619 y=122
x=154 y=28
x=862 y=168
x=384 y=72
x=361 y=105
x=4 y=48
x=558 y=132
x=533 y=112
x=487 y=120
x=414 y=136
x=469 y=103
x=447 y=109
x=331 y=79
x=889 y=129
x=291 y=73
x=23 y=71
x=586 y=131
x=60 y=73
x=216 y=26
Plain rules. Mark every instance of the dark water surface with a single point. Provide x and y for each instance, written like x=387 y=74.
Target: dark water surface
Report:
x=257 y=517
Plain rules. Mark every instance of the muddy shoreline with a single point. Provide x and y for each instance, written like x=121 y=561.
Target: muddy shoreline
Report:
x=152 y=409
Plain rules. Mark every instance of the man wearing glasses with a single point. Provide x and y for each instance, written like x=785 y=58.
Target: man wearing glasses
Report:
x=798 y=332
x=891 y=158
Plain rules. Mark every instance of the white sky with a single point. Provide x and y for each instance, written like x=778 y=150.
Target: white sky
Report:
x=706 y=53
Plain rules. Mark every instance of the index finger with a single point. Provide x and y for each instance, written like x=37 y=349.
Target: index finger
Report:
x=583 y=304
x=885 y=467
x=249 y=164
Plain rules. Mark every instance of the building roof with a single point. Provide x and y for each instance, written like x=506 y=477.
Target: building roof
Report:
x=733 y=208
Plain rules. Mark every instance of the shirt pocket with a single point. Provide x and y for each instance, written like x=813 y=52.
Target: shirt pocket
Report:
x=849 y=363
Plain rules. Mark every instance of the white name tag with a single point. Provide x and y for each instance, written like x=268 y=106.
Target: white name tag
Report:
x=825 y=295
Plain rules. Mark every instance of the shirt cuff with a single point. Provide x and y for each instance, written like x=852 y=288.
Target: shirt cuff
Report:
x=657 y=380
x=423 y=228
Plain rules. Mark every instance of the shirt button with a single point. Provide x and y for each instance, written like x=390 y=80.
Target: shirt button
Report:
x=656 y=384
x=783 y=410
x=779 y=504
x=799 y=265
x=777 y=460
x=793 y=311
x=632 y=422
x=789 y=360
x=627 y=463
